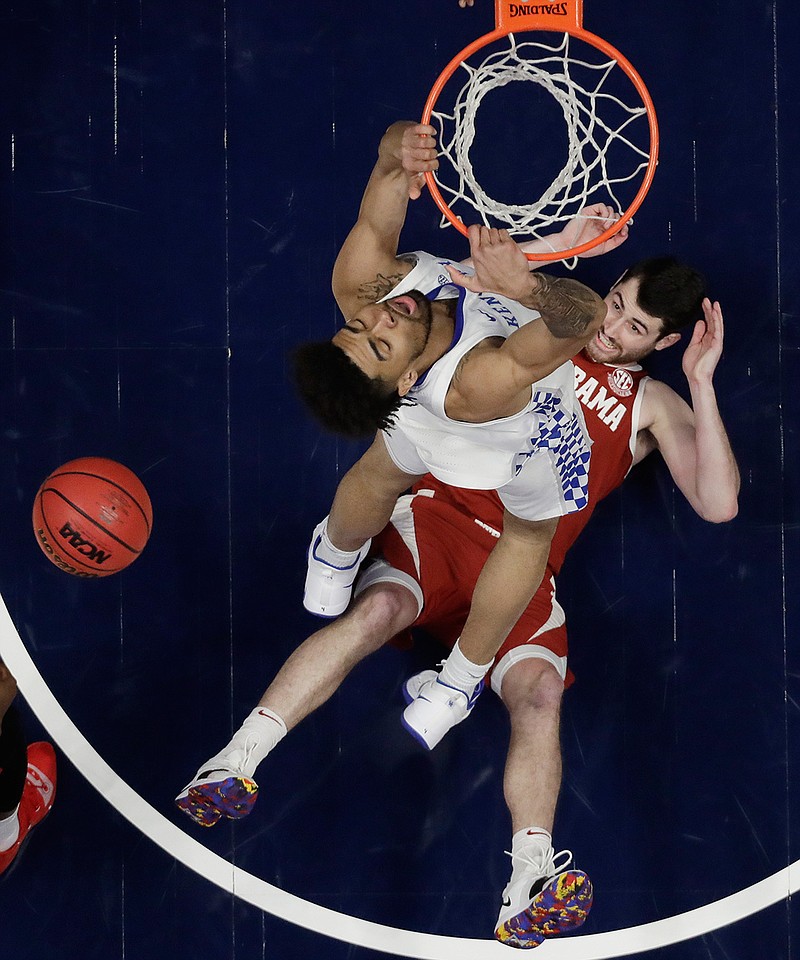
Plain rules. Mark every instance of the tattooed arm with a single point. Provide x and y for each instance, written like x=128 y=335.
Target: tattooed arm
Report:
x=367 y=266
x=494 y=379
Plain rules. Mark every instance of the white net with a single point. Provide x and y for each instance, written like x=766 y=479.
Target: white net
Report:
x=607 y=133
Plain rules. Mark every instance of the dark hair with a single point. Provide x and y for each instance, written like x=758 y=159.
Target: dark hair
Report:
x=339 y=394
x=670 y=290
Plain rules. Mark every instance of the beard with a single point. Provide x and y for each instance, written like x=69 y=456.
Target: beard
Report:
x=423 y=318
x=424 y=314
x=617 y=357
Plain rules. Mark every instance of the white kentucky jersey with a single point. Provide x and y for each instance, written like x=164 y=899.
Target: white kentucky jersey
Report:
x=490 y=455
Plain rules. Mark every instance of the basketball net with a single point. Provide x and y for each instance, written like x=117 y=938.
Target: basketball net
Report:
x=611 y=136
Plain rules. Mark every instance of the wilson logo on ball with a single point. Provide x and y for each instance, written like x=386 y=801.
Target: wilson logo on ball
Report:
x=59 y=561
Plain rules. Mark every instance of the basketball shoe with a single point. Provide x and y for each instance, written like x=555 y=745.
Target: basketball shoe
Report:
x=331 y=574
x=542 y=899
x=434 y=707
x=221 y=788
x=38 y=795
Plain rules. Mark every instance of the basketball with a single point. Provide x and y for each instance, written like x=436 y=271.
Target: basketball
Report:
x=92 y=517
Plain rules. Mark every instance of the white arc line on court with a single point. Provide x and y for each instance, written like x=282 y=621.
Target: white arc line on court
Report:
x=364 y=933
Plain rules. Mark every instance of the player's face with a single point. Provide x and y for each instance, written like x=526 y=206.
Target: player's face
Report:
x=384 y=339
x=628 y=333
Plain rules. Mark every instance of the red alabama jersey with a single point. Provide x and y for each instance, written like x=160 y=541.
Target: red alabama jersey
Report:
x=611 y=399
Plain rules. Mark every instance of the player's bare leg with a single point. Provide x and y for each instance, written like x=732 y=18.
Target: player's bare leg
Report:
x=511 y=575
x=363 y=504
x=532 y=692
x=224 y=785
x=318 y=666
x=542 y=898
x=509 y=578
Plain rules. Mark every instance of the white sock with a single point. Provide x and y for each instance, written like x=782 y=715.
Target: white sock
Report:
x=329 y=553
x=530 y=839
x=533 y=843
x=261 y=731
x=9 y=831
x=461 y=673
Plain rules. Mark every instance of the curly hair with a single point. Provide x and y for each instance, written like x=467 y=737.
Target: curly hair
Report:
x=670 y=290
x=339 y=394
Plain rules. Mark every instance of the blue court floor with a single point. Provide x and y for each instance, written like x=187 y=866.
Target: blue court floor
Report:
x=177 y=179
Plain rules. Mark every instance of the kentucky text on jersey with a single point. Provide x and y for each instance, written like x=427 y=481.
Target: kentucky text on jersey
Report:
x=499 y=310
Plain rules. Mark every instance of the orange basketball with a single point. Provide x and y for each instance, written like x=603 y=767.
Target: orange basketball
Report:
x=92 y=517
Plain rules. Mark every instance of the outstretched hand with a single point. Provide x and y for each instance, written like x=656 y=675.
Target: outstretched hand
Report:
x=500 y=266
x=705 y=348
x=589 y=223
x=412 y=147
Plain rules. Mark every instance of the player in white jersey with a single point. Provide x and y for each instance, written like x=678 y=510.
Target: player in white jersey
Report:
x=389 y=346
x=537 y=458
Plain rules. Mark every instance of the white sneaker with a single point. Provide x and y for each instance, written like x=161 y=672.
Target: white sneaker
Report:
x=221 y=788
x=434 y=707
x=542 y=899
x=328 y=586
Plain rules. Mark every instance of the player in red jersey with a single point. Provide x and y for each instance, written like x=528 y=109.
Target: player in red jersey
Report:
x=435 y=546
x=27 y=776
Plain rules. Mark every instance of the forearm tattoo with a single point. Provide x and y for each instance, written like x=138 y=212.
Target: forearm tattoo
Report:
x=568 y=308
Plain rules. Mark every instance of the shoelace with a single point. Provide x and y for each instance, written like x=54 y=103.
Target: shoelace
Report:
x=250 y=744
x=545 y=863
x=230 y=761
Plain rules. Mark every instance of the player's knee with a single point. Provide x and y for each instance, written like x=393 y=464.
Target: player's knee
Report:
x=384 y=609
x=533 y=685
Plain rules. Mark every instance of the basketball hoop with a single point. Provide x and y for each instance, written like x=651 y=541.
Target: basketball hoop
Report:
x=611 y=129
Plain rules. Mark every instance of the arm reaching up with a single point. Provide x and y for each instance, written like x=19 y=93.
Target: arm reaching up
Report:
x=589 y=223
x=693 y=440
x=568 y=308
x=495 y=381
x=407 y=150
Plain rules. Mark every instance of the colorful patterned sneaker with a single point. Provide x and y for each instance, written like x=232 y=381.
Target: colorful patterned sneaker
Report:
x=38 y=795
x=543 y=899
x=220 y=789
x=434 y=707
x=328 y=586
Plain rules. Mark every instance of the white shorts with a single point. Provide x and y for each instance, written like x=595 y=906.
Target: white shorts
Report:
x=537 y=492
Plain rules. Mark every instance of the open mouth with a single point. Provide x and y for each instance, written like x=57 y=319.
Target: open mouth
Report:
x=404 y=304
x=604 y=342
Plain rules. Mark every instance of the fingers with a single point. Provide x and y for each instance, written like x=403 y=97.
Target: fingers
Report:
x=464 y=280
x=480 y=236
x=698 y=332
x=415 y=186
x=599 y=211
x=419 y=148
x=712 y=313
x=419 y=135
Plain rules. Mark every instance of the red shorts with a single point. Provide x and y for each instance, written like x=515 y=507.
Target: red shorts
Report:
x=437 y=550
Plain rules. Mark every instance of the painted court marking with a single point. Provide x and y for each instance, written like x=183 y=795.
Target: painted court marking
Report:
x=374 y=936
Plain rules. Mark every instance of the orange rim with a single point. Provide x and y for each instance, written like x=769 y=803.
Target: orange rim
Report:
x=627 y=68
